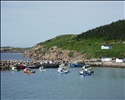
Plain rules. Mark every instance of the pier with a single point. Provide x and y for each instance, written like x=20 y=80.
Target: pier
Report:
x=8 y=64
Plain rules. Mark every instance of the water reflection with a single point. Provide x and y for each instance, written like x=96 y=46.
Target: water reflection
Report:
x=82 y=77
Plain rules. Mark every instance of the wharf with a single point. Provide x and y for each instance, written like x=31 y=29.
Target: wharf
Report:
x=8 y=64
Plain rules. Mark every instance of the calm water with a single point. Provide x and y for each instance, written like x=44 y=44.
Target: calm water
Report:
x=104 y=84
x=13 y=56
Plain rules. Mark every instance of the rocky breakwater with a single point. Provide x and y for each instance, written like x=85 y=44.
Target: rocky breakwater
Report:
x=8 y=64
x=114 y=64
x=99 y=63
x=39 y=52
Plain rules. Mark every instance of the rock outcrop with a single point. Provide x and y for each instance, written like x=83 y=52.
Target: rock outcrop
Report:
x=39 y=52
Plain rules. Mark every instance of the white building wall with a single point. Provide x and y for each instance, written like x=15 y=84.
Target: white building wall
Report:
x=105 y=47
x=119 y=60
x=106 y=59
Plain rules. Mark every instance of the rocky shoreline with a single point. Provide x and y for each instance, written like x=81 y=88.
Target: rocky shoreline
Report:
x=39 y=52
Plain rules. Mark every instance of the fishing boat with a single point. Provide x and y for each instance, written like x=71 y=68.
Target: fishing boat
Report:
x=15 y=69
x=60 y=70
x=86 y=70
x=42 y=69
x=76 y=64
x=63 y=69
x=89 y=68
x=28 y=71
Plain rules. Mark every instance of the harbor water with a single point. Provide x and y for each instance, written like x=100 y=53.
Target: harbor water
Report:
x=14 y=56
x=103 y=84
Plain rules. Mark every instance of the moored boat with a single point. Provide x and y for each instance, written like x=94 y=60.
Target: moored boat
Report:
x=28 y=71
x=76 y=64
x=15 y=69
x=89 y=68
x=60 y=70
x=42 y=69
x=63 y=69
x=86 y=70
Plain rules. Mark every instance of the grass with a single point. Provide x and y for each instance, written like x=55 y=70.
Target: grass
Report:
x=90 y=48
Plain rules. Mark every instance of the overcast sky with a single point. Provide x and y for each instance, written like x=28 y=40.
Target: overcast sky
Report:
x=26 y=23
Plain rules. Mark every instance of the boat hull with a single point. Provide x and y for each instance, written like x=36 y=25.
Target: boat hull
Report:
x=15 y=69
x=28 y=71
x=42 y=70
x=85 y=73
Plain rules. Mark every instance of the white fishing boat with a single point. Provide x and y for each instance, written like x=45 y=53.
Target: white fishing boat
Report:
x=42 y=69
x=89 y=68
x=60 y=70
x=15 y=69
x=63 y=69
x=86 y=70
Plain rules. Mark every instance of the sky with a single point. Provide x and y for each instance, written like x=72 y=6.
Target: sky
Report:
x=27 y=23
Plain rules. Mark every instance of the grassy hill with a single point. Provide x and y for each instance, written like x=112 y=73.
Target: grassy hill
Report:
x=113 y=31
x=89 y=43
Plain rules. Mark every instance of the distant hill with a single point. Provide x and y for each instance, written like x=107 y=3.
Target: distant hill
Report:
x=87 y=43
x=13 y=49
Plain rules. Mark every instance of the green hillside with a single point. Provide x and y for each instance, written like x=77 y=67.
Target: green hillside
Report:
x=113 y=31
x=89 y=43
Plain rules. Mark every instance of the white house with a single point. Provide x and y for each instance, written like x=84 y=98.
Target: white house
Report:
x=119 y=60
x=107 y=59
x=106 y=47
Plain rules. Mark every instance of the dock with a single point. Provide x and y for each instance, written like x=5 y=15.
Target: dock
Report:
x=8 y=64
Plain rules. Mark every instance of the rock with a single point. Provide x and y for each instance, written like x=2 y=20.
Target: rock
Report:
x=54 y=53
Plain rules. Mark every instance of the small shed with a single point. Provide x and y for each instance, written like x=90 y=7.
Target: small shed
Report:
x=106 y=59
x=119 y=60
x=106 y=47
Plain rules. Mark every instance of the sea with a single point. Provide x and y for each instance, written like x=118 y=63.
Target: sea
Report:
x=104 y=84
